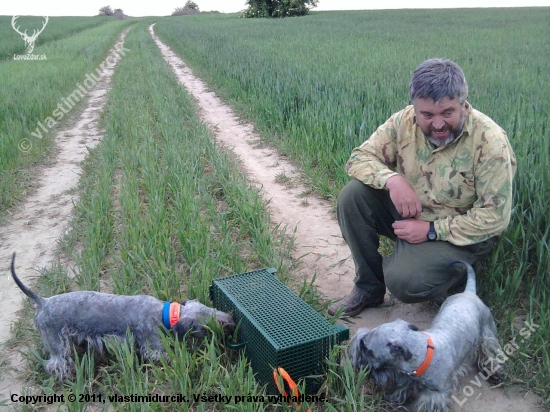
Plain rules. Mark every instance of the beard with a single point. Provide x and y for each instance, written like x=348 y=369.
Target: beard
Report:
x=454 y=133
x=438 y=142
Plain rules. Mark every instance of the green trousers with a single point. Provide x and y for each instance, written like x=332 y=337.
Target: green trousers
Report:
x=414 y=272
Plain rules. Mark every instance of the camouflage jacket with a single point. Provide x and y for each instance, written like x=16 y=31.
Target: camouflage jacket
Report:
x=464 y=187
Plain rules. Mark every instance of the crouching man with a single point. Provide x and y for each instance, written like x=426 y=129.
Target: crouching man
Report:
x=436 y=178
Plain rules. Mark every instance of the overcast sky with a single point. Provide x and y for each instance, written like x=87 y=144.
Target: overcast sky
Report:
x=166 y=7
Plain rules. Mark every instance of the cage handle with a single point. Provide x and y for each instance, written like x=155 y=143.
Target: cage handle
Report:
x=236 y=346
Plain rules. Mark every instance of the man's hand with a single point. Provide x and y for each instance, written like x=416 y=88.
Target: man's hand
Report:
x=411 y=230
x=404 y=197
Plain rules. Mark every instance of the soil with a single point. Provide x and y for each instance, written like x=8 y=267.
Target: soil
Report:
x=43 y=219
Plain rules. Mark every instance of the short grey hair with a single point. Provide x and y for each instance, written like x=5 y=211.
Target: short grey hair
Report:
x=436 y=79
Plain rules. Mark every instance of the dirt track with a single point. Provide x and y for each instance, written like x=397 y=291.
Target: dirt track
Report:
x=34 y=229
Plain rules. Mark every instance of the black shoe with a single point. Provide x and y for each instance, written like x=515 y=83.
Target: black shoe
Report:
x=354 y=303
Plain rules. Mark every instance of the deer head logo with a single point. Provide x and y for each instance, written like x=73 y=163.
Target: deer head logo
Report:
x=29 y=40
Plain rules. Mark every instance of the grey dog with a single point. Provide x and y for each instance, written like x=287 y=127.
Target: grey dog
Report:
x=424 y=367
x=85 y=318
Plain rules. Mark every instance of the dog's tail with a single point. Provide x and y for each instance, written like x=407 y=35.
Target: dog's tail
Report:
x=471 y=281
x=37 y=299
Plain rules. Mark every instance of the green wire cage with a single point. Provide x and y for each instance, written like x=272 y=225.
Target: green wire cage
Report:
x=277 y=328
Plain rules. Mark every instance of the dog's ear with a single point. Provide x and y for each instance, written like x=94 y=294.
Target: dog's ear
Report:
x=184 y=325
x=360 y=353
x=399 y=351
x=413 y=327
x=363 y=348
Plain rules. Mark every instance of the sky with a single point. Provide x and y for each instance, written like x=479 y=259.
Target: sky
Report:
x=166 y=7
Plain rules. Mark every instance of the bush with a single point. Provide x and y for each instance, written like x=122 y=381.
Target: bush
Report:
x=119 y=14
x=190 y=8
x=278 y=8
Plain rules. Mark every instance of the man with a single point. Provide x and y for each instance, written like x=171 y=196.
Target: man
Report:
x=437 y=179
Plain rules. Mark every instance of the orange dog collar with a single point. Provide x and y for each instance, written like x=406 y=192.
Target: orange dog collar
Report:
x=429 y=355
x=174 y=313
x=170 y=314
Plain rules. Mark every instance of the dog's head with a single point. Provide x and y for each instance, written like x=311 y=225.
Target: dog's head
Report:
x=385 y=351
x=383 y=346
x=194 y=318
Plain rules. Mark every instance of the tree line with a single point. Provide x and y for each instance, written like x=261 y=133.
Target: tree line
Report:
x=256 y=9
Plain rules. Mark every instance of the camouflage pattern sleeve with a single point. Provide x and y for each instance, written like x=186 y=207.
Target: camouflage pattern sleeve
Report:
x=494 y=166
x=374 y=162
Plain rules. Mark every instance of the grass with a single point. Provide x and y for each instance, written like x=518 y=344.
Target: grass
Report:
x=316 y=109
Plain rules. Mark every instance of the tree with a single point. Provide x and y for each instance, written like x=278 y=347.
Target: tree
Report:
x=191 y=5
x=119 y=14
x=190 y=8
x=106 y=11
x=278 y=8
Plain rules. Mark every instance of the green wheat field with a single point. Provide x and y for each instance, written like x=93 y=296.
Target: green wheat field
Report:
x=162 y=210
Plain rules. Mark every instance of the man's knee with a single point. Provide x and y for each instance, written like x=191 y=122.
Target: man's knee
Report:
x=412 y=287
x=358 y=201
x=351 y=194
x=401 y=288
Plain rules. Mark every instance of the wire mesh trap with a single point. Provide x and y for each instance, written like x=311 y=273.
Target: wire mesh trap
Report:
x=277 y=328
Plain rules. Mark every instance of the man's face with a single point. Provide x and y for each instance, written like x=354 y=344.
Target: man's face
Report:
x=441 y=123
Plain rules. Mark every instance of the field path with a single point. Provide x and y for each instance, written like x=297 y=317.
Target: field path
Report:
x=318 y=241
x=33 y=230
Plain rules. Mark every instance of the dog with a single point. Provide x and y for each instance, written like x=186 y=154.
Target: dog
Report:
x=85 y=318
x=423 y=368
